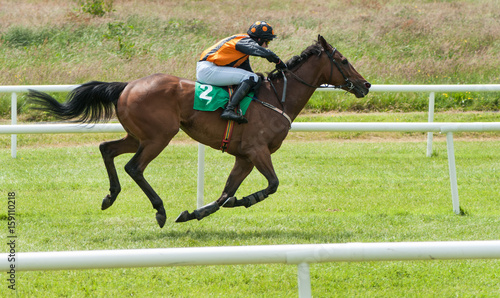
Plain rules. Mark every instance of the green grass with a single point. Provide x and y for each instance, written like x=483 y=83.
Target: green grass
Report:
x=330 y=192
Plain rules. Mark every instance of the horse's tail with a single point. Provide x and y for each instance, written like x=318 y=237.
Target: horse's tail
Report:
x=92 y=102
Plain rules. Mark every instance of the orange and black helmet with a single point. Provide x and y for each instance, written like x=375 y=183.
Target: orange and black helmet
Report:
x=262 y=30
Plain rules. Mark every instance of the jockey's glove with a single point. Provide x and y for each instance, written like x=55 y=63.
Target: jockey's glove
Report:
x=272 y=57
x=281 y=65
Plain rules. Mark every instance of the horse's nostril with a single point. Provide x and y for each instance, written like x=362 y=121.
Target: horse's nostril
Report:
x=368 y=85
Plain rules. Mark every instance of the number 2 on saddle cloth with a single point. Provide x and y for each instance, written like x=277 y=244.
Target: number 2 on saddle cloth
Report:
x=211 y=98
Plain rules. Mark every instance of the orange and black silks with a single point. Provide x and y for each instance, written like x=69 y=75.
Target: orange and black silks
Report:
x=234 y=51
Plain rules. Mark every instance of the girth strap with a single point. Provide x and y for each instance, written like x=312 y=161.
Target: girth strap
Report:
x=227 y=135
x=229 y=126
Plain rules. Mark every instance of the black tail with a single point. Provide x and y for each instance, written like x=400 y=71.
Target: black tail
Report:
x=92 y=102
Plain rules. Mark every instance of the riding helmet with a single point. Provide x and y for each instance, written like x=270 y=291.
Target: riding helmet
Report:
x=261 y=30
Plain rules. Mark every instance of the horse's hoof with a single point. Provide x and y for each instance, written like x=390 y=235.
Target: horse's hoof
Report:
x=106 y=202
x=229 y=203
x=183 y=217
x=161 y=218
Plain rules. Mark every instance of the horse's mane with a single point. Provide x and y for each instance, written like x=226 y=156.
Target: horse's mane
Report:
x=314 y=49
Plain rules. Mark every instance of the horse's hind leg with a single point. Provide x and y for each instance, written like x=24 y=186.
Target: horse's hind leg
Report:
x=110 y=150
x=135 y=168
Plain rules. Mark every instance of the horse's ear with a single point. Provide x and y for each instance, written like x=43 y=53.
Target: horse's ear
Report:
x=323 y=42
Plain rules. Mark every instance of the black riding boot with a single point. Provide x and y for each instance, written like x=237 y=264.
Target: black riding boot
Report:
x=240 y=93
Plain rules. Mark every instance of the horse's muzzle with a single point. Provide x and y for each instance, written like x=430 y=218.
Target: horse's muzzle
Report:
x=361 y=89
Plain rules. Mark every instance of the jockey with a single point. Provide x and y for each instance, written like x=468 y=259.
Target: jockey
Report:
x=226 y=63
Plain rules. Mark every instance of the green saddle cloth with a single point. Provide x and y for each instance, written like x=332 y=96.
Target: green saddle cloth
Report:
x=210 y=98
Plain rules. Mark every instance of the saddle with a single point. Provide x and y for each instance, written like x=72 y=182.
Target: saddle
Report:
x=210 y=97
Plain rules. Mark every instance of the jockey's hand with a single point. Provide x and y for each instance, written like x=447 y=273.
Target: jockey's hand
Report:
x=273 y=58
x=281 y=65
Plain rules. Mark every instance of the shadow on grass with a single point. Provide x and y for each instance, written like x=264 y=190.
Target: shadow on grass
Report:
x=204 y=237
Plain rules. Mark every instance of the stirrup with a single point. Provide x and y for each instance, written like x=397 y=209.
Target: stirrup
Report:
x=229 y=114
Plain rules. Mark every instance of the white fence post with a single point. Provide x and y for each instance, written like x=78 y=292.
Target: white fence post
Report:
x=13 y=115
x=304 y=280
x=453 y=172
x=430 y=119
x=201 y=174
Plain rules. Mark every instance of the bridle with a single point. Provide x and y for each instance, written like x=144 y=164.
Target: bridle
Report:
x=348 y=84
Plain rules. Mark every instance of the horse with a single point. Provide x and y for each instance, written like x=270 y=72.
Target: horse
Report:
x=153 y=109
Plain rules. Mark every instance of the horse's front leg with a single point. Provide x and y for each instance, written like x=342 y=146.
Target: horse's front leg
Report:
x=242 y=167
x=263 y=163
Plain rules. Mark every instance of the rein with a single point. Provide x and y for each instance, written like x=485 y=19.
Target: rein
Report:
x=348 y=84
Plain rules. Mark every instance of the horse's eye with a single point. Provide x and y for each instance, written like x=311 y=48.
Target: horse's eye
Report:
x=345 y=61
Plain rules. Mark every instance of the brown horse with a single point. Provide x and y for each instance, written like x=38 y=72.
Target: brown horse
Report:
x=154 y=108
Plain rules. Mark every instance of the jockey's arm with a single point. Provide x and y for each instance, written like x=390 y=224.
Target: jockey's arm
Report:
x=250 y=47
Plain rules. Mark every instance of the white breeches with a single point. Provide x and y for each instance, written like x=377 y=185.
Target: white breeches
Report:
x=209 y=73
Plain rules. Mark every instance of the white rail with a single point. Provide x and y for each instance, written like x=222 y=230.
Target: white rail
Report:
x=442 y=127
x=300 y=254
x=431 y=89
x=375 y=88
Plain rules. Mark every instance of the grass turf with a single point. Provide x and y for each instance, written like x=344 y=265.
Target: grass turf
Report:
x=330 y=192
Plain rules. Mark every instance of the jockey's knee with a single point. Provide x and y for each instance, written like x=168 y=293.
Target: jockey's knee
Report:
x=253 y=79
